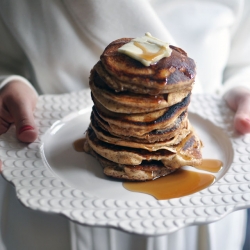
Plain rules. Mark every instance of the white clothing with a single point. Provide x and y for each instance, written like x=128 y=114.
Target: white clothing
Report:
x=54 y=44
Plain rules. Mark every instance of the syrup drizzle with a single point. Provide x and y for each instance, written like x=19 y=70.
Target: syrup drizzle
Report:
x=146 y=55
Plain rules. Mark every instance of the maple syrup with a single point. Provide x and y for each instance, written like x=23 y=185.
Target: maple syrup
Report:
x=210 y=165
x=180 y=183
x=146 y=55
x=78 y=145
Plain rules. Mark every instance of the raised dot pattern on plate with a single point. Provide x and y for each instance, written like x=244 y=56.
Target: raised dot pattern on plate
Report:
x=38 y=188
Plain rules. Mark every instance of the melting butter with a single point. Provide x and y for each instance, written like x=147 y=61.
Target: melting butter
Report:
x=147 y=49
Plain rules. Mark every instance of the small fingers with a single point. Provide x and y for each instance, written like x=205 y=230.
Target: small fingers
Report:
x=5 y=120
x=24 y=121
x=25 y=125
x=238 y=99
x=4 y=126
x=27 y=133
x=17 y=102
x=242 y=115
x=21 y=111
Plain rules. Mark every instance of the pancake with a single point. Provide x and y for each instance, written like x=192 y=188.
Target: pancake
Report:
x=187 y=152
x=140 y=124
x=119 y=86
x=127 y=102
x=105 y=136
x=143 y=172
x=153 y=136
x=170 y=74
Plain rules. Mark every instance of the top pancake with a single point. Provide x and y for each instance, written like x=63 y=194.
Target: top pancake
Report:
x=170 y=74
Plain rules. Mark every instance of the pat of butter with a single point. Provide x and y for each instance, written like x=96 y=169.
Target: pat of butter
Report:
x=147 y=49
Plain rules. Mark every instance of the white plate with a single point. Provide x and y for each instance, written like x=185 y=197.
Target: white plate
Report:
x=50 y=175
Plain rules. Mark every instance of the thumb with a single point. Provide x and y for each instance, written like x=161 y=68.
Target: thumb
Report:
x=242 y=115
x=238 y=99
x=22 y=113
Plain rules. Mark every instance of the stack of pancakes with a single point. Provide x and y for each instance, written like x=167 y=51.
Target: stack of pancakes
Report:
x=139 y=128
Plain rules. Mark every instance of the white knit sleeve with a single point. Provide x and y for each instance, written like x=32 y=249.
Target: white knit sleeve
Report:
x=7 y=79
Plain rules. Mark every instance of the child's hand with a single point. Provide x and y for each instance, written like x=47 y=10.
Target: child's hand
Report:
x=238 y=99
x=17 y=103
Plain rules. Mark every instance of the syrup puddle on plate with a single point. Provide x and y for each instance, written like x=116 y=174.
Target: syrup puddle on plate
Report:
x=180 y=183
x=210 y=165
x=78 y=145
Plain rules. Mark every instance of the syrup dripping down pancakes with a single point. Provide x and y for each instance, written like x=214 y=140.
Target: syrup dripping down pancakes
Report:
x=139 y=126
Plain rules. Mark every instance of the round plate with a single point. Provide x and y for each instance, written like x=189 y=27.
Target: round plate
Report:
x=50 y=175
